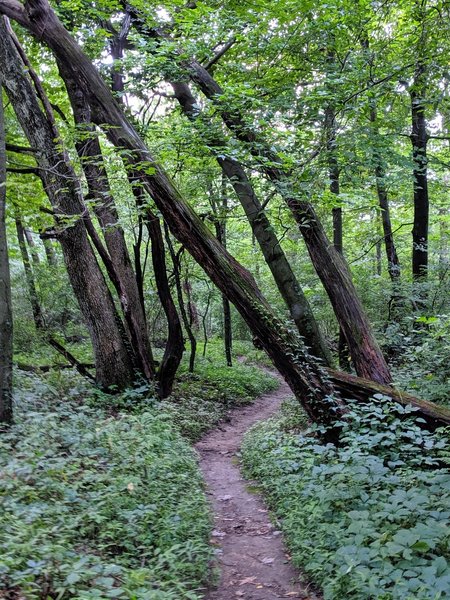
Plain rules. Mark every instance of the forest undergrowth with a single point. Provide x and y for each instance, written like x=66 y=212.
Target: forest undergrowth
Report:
x=367 y=519
x=101 y=495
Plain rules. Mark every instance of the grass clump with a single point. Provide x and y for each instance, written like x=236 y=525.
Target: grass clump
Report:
x=365 y=520
x=95 y=506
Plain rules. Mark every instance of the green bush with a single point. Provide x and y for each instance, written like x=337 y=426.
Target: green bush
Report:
x=100 y=507
x=422 y=356
x=368 y=519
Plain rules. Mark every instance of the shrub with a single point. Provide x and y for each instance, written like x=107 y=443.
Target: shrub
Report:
x=368 y=519
x=100 y=507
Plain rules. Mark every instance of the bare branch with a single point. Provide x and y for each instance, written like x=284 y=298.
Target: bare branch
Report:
x=19 y=149
x=24 y=170
x=220 y=53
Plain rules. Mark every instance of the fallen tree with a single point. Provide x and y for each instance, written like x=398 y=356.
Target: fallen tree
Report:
x=352 y=387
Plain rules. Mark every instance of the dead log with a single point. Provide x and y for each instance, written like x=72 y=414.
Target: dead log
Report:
x=350 y=386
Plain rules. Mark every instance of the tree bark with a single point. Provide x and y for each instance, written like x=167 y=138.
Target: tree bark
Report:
x=179 y=289
x=90 y=153
x=330 y=266
x=173 y=352
x=113 y=364
x=283 y=275
x=6 y=319
x=303 y=374
x=383 y=201
x=419 y=140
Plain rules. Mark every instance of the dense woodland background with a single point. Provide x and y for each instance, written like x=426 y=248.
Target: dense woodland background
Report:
x=241 y=174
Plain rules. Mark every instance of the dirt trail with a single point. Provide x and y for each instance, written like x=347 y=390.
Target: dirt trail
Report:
x=251 y=554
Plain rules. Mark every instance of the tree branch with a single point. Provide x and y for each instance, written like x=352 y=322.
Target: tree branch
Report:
x=380 y=239
x=24 y=170
x=220 y=53
x=20 y=149
x=14 y=10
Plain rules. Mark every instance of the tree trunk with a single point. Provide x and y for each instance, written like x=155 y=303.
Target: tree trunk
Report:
x=50 y=253
x=38 y=317
x=173 y=352
x=90 y=153
x=6 y=320
x=113 y=365
x=179 y=288
x=32 y=247
x=333 y=174
x=276 y=260
x=303 y=374
x=330 y=266
x=383 y=201
x=220 y=225
x=362 y=390
x=419 y=140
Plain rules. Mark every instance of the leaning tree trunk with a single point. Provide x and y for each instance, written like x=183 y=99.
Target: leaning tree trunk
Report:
x=330 y=266
x=304 y=375
x=6 y=321
x=113 y=364
x=90 y=153
x=307 y=380
x=276 y=260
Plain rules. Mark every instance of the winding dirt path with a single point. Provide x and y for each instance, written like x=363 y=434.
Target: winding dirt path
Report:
x=251 y=555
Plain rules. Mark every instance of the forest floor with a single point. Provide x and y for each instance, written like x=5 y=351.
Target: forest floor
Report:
x=253 y=562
